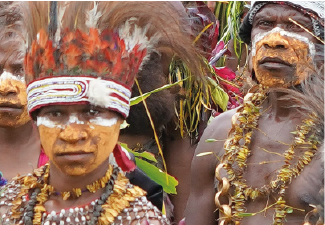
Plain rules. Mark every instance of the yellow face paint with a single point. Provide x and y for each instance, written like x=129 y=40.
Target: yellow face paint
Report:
x=282 y=59
x=13 y=101
x=78 y=145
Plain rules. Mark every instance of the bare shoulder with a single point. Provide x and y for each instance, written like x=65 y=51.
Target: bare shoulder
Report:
x=220 y=123
x=200 y=206
x=214 y=137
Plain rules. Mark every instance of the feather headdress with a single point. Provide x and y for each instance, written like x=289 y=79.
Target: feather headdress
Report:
x=86 y=62
x=103 y=43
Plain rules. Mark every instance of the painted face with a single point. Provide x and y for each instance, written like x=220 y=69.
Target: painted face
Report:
x=78 y=138
x=13 y=97
x=282 y=52
x=277 y=51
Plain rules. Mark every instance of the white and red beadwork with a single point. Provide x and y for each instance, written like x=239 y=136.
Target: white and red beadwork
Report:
x=78 y=90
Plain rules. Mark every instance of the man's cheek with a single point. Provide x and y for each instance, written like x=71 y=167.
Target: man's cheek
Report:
x=105 y=139
x=48 y=137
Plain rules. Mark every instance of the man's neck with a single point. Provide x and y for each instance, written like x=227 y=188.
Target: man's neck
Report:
x=17 y=137
x=279 y=107
x=63 y=182
x=19 y=150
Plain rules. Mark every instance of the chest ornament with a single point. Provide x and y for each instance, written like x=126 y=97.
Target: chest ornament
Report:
x=117 y=196
x=234 y=161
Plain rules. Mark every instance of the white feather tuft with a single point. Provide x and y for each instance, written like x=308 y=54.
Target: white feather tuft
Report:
x=93 y=16
x=98 y=93
x=134 y=35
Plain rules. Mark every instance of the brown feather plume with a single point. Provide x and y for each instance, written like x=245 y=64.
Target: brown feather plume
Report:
x=167 y=20
x=163 y=18
x=12 y=32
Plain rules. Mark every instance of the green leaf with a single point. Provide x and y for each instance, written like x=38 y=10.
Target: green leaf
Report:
x=138 y=99
x=145 y=154
x=210 y=140
x=220 y=98
x=168 y=182
x=246 y=214
x=289 y=210
x=218 y=95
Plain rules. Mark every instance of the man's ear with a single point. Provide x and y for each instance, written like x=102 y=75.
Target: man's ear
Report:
x=250 y=62
x=35 y=124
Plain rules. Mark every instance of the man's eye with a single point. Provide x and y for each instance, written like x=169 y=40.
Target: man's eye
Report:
x=55 y=114
x=265 y=24
x=18 y=71
x=296 y=27
x=92 y=112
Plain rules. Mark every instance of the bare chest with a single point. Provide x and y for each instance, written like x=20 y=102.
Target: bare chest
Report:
x=268 y=144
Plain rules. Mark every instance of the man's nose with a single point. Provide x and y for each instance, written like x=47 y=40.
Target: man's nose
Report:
x=7 y=88
x=73 y=133
x=275 y=41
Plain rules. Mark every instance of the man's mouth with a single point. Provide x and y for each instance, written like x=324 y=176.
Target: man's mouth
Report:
x=273 y=62
x=69 y=156
x=10 y=107
x=73 y=153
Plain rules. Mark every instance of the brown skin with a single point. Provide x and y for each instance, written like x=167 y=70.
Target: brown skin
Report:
x=178 y=153
x=276 y=122
x=19 y=141
x=77 y=149
x=69 y=167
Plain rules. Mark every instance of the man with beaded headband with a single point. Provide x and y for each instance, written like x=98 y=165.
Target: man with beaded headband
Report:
x=268 y=154
x=79 y=74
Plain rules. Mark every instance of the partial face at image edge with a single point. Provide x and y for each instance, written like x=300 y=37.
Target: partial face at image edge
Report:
x=13 y=100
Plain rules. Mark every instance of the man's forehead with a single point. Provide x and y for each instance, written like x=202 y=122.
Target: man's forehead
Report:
x=11 y=53
x=11 y=58
x=314 y=9
x=279 y=10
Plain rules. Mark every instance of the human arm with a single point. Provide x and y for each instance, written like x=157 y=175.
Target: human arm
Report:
x=200 y=206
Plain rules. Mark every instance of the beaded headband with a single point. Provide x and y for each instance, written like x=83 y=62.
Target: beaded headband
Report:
x=98 y=67
x=78 y=90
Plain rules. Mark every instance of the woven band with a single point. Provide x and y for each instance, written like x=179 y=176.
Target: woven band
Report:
x=65 y=90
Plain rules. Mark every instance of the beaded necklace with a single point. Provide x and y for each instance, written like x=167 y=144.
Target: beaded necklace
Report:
x=77 y=192
x=244 y=122
x=117 y=196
